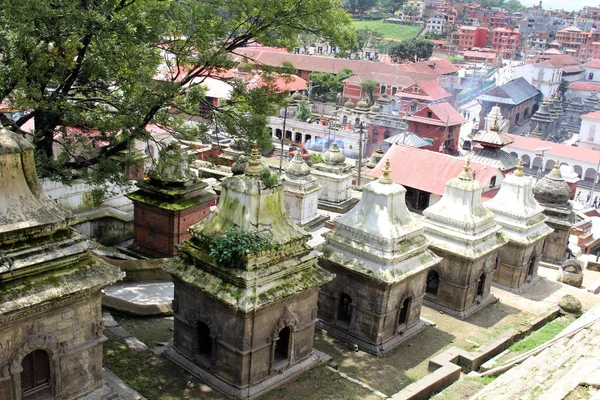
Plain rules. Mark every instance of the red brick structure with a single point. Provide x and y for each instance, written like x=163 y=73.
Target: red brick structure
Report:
x=439 y=122
x=506 y=41
x=472 y=36
x=166 y=206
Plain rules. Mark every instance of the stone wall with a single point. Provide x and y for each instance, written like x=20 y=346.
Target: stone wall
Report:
x=514 y=264
x=556 y=244
x=243 y=343
x=69 y=330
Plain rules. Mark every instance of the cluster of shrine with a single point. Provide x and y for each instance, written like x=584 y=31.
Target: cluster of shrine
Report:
x=244 y=319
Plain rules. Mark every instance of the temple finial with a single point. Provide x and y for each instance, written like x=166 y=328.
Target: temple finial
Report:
x=495 y=125
x=467 y=174
x=557 y=165
x=254 y=164
x=519 y=171
x=386 y=178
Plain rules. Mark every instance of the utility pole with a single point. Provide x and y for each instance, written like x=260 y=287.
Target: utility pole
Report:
x=360 y=151
x=282 y=137
x=595 y=179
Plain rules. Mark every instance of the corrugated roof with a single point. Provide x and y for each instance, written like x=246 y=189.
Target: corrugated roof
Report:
x=427 y=170
x=595 y=63
x=434 y=90
x=556 y=60
x=585 y=86
x=479 y=54
x=446 y=113
x=573 y=68
x=438 y=67
x=497 y=159
x=493 y=137
x=409 y=139
x=557 y=150
x=515 y=92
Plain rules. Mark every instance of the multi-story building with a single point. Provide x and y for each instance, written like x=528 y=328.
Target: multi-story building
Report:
x=506 y=41
x=472 y=36
x=438 y=23
x=572 y=40
x=547 y=71
x=537 y=20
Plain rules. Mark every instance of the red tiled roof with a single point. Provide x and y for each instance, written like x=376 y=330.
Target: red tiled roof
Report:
x=427 y=170
x=282 y=84
x=434 y=90
x=446 y=113
x=386 y=79
x=595 y=63
x=557 y=150
x=556 y=60
x=479 y=54
x=592 y=115
x=572 y=68
x=585 y=86
x=438 y=67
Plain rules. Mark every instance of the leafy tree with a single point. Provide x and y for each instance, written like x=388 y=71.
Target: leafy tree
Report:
x=359 y=6
x=412 y=50
x=366 y=35
x=409 y=10
x=326 y=86
x=304 y=113
x=368 y=87
x=513 y=6
x=94 y=65
x=390 y=6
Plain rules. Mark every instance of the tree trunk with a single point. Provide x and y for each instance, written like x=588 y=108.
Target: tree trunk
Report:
x=45 y=126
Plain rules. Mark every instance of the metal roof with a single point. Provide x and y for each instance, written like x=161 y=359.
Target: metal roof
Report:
x=515 y=92
x=498 y=159
x=409 y=139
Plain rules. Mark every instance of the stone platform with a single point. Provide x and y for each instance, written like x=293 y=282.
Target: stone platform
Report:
x=141 y=299
x=112 y=388
x=341 y=208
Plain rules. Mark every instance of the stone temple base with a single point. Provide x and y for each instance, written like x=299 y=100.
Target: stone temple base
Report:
x=478 y=305
x=528 y=284
x=340 y=208
x=372 y=348
x=313 y=223
x=315 y=359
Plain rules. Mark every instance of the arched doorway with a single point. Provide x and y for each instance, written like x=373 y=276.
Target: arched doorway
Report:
x=344 y=310
x=278 y=133
x=282 y=345
x=590 y=174
x=531 y=267
x=205 y=343
x=537 y=163
x=481 y=286
x=288 y=135
x=404 y=312
x=433 y=283
x=298 y=137
x=526 y=160
x=578 y=170
x=549 y=165
x=35 y=377
x=514 y=154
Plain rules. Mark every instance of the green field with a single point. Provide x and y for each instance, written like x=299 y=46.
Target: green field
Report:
x=391 y=31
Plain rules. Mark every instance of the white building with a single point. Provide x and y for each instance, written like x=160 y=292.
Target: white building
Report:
x=589 y=133
x=437 y=23
x=592 y=70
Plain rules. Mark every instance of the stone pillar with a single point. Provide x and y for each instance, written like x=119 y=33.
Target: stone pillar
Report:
x=301 y=195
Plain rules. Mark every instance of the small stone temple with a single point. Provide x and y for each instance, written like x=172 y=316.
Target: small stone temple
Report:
x=167 y=204
x=463 y=232
x=335 y=176
x=50 y=313
x=553 y=194
x=380 y=258
x=489 y=149
x=245 y=317
x=301 y=195
x=523 y=225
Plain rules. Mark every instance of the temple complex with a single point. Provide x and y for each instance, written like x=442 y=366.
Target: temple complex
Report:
x=245 y=317
x=50 y=312
x=301 y=195
x=335 y=176
x=463 y=232
x=167 y=205
x=523 y=225
x=553 y=194
x=380 y=258
x=489 y=149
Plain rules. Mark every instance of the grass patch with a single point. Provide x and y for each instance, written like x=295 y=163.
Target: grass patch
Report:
x=391 y=31
x=464 y=388
x=541 y=336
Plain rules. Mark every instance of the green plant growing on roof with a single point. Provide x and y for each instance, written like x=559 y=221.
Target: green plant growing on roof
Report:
x=231 y=248
x=269 y=178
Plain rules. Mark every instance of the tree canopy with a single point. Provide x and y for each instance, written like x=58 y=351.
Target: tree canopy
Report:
x=359 y=6
x=326 y=86
x=413 y=50
x=116 y=66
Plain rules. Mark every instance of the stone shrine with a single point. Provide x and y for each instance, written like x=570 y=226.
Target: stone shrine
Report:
x=553 y=194
x=544 y=120
x=523 y=225
x=335 y=176
x=301 y=195
x=244 y=322
x=167 y=204
x=489 y=149
x=463 y=232
x=380 y=257
x=50 y=312
x=495 y=116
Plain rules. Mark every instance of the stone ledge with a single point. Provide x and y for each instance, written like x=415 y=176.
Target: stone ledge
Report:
x=249 y=392
x=141 y=299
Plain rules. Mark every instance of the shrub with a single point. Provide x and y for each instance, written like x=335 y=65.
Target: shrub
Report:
x=269 y=178
x=230 y=248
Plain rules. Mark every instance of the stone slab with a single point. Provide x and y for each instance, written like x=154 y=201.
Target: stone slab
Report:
x=113 y=388
x=341 y=208
x=142 y=299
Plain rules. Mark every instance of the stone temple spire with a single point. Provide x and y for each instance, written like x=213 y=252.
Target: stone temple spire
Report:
x=523 y=224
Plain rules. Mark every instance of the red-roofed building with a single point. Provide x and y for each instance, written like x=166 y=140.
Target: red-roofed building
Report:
x=506 y=41
x=439 y=122
x=480 y=56
x=436 y=67
x=424 y=173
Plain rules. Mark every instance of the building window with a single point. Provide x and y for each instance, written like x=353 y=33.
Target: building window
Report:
x=433 y=283
x=415 y=90
x=592 y=134
x=394 y=90
x=35 y=377
x=481 y=285
x=205 y=345
x=344 y=311
x=429 y=114
x=382 y=89
x=493 y=181
x=403 y=314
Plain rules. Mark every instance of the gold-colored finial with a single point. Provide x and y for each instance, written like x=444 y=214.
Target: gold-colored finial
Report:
x=519 y=171
x=495 y=126
x=467 y=174
x=386 y=178
x=557 y=165
x=254 y=164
